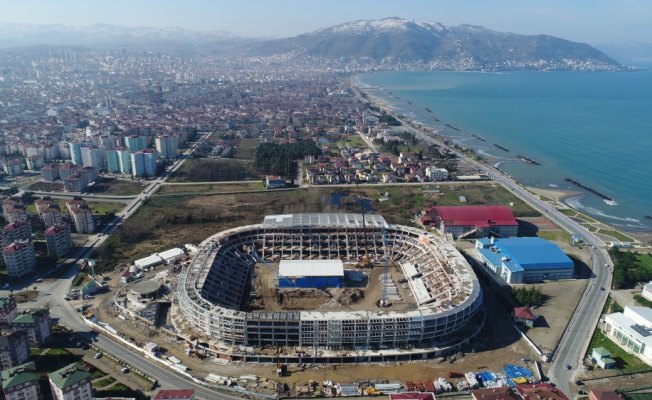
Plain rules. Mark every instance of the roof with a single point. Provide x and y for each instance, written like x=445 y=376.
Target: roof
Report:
x=172 y=253
x=540 y=391
x=311 y=268
x=324 y=220
x=16 y=246
x=479 y=216
x=19 y=375
x=9 y=338
x=54 y=229
x=499 y=393
x=7 y=301
x=154 y=259
x=601 y=351
x=68 y=375
x=529 y=253
x=524 y=313
x=146 y=287
x=605 y=394
x=412 y=396
x=175 y=394
x=30 y=316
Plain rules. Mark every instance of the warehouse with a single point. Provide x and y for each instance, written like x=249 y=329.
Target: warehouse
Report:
x=317 y=274
x=525 y=259
x=472 y=221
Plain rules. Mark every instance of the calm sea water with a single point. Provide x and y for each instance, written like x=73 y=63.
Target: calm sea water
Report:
x=595 y=128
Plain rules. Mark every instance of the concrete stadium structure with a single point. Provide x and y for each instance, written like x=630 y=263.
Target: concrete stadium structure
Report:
x=213 y=290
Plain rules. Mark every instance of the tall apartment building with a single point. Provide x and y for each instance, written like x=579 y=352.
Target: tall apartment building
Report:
x=72 y=382
x=8 y=309
x=13 y=166
x=48 y=211
x=135 y=143
x=76 y=153
x=81 y=215
x=150 y=157
x=59 y=240
x=166 y=145
x=36 y=323
x=14 y=348
x=93 y=156
x=17 y=230
x=50 y=172
x=124 y=158
x=20 y=258
x=21 y=382
x=112 y=161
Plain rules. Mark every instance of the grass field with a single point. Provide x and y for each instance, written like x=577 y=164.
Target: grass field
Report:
x=615 y=234
x=47 y=186
x=645 y=260
x=205 y=189
x=193 y=217
x=624 y=360
x=116 y=187
x=215 y=170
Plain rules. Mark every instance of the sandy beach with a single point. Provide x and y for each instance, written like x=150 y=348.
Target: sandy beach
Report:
x=552 y=193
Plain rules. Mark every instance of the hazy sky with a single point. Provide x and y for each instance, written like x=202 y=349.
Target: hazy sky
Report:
x=592 y=21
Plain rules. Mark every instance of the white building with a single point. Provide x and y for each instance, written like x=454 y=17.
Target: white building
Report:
x=647 y=291
x=173 y=255
x=437 y=174
x=93 y=157
x=632 y=330
x=20 y=258
x=72 y=382
x=81 y=215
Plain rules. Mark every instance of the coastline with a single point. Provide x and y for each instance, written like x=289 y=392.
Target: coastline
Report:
x=558 y=195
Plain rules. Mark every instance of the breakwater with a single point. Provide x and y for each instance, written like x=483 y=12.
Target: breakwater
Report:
x=595 y=192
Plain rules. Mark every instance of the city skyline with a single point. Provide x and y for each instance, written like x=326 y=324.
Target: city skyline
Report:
x=601 y=21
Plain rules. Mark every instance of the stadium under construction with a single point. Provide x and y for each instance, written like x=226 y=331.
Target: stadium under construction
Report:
x=443 y=313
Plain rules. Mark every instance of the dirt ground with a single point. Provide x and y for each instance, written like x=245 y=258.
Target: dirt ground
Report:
x=348 y=298
x=554 y=314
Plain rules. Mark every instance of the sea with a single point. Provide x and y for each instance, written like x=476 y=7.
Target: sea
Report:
x=592 y=127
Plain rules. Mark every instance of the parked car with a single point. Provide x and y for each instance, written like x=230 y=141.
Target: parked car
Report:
x=124 y=370
x=97 y=355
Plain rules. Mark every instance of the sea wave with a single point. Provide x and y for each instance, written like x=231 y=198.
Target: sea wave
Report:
x=576 y=203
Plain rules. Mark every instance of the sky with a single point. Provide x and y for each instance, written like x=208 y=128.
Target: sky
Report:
x=591 y=21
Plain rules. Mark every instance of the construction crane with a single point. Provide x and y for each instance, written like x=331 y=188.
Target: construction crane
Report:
x=384 y=301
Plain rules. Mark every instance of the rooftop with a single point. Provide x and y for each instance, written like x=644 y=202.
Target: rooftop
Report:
x=525 y=252
x=19 y=375
x=175 y=394
x=480 y=216
x=324 y=220
x=291 y=268
x=68 y=375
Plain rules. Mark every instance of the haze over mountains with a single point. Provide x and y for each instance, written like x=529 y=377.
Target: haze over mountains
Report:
x=412 y=43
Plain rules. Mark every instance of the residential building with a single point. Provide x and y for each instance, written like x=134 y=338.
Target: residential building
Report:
x=466 y=221
x=136 y=143
x=274 y=182
x=50 y=172
x=437 y=174
x=124 y=159
x=647 y=291
x=497 y=393
x=150 y=157
x=13 y=211
x=75 y=183
x=13 y=167
x=538 y=391
x=59 y=240
x=166 y=146
x=20 y=258
x=17 y=230
x=175 y=394
x=14 y=348
x=21 y=382
x=68 y=169
x=112 y=161
x=8 y=309
x=524 y=259
x=72 y=382
x=138 y=163
x=34 y=163
x=81 y=215
x=596 y=393
x=51 y=215
x=36 y=322
x=602 y=358
x=93 y=156
x=632 y=330
x=76 y=153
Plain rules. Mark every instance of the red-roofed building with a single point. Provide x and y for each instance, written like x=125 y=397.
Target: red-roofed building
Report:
x=539 y=391
x=175 y=394
x=464 y=221
x=20 y=258
x=525 y=316
x=412 y=396
x=604 y=394
x=59 y=240
x=499 y=393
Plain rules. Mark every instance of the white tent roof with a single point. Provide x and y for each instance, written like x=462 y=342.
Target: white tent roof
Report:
x=293 y=268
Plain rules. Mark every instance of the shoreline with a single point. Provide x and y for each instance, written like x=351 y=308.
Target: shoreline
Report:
x=559 y=195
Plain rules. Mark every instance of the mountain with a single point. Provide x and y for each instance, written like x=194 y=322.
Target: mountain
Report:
x=465 y=47
x=169 y=40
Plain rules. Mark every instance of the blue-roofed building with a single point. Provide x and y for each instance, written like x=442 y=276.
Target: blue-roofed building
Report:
x=524 y=259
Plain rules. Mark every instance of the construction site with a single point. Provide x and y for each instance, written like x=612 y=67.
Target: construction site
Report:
x=328 y=288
